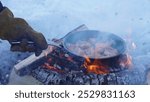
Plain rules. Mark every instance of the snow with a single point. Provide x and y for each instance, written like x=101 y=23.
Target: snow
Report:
x=129 y=19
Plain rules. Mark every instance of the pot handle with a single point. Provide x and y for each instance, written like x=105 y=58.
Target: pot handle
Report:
x=54 y=44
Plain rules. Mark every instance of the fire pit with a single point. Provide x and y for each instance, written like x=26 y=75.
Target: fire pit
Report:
x=61 y=67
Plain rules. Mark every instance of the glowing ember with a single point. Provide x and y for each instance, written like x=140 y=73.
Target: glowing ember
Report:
x=46 y=65
x=126 y=61
x=95 y=67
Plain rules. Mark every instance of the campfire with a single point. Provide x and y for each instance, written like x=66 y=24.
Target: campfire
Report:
x=57 y=65
x=60 y=59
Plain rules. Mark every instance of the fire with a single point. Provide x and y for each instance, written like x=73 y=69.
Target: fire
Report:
x=98 y=67
x=95 y=67
x=126 y=61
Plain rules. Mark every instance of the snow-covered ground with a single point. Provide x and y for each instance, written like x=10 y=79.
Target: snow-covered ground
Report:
x=129 y=19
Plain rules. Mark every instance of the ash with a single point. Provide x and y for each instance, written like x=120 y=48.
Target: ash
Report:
x=126 y=77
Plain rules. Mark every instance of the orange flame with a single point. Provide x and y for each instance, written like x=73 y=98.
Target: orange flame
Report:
x=95 y=67
x=126 y=61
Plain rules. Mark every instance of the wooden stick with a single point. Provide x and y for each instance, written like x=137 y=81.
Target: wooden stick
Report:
x=23 y=67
